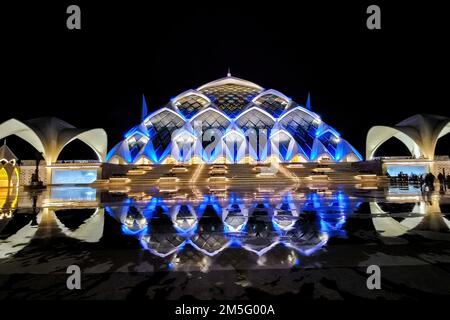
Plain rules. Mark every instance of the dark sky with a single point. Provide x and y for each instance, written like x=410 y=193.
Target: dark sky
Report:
x=96 y=77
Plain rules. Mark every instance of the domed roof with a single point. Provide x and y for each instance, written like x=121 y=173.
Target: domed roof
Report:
x=231 y=96
x=231 y=106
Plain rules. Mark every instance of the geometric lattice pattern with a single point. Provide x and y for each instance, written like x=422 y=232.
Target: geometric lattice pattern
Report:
x=220 y=110
x=255 y=119
x=161 y=127
x=330 y=141
x=231 y=98
x=211 y=119
x=136 y=142
x=302 y=127
x=273 y=104
x=189 y=105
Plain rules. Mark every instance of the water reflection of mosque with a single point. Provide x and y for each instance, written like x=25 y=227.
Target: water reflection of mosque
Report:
x=266 y=231
x=8 y=202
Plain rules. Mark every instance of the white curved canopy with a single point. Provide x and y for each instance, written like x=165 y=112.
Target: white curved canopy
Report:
x=51 y=135
x=419 y=133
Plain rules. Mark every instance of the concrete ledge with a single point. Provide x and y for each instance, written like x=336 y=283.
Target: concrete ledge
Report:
x=218 y=171
x=317 y=177
x=366 y=186
x=322 y=170
x=179 y=169
x=168 y=188
x=219 y=166
x=367 y=177
x=218 y=188
x=119 y=189
x=295 y=165
x=267 y=174
x=220 y=179
x=168 y=180
x=136 y=172
x=145 y=167
x=101 y=181
x=140 y=196
x=119 y=180
x=260 y=168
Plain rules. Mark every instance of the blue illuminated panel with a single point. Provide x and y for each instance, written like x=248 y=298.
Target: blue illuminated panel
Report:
x=394 y=170
x=73 y=194
x=84 y=176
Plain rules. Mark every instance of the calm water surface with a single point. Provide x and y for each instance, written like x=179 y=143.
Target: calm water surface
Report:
x=262 y=243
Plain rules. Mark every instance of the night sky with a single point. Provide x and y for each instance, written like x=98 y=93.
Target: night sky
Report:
x=96 y=77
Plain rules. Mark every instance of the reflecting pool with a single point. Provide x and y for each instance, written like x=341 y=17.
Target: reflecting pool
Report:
x=312 y=242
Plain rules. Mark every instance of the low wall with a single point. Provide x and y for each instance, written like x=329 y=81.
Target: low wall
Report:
x=439 y=166
x=27 y=171
x=110 y=169
x=372 y=166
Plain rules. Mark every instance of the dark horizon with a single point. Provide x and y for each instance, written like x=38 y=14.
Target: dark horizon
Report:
x=96 y=77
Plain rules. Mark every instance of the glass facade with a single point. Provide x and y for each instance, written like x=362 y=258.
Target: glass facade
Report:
x=273 y=104
x=302 y=127
x=190 y=105
x=231 y=98
x=161 y=127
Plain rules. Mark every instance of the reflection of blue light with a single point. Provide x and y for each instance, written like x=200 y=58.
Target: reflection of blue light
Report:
x=185 y=233
x=129 y=232
x=151 y=207
x=276 y=227
x=235 y=243
x=170 y=266
x=237 y=230
x=330 y=218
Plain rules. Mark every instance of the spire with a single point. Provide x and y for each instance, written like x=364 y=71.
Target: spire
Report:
x=308 y=101
x=144 y=110
x=229 y=72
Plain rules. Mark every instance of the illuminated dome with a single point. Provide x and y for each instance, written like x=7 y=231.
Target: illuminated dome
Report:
x=215 y=123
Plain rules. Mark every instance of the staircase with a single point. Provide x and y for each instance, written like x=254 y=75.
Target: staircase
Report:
x=342 y=172
x=244 y=175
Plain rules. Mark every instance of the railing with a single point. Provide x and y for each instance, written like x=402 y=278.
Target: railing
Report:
x=77 y=161
x=400 y=158
x=42 y=163
x=393 y=158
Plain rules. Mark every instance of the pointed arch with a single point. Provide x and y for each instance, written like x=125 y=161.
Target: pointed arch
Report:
x=96 y=139
x=258 y=109
x=23 y=131
x=380 y=134
x=304 y=110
